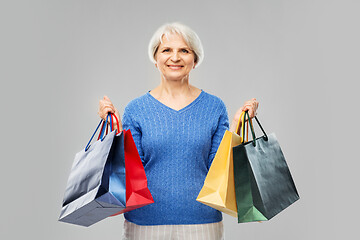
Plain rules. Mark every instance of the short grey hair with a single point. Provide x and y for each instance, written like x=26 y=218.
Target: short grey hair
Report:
x=190 y=37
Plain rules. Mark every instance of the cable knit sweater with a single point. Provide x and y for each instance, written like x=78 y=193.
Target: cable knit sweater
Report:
x=177 y=149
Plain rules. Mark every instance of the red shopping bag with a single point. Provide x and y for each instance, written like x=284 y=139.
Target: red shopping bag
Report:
x=137 y=192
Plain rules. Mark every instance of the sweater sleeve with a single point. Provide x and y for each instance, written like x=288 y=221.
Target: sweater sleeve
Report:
x=129 y=123
x=222 y=126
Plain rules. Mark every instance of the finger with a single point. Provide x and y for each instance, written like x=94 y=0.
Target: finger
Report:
x=251 y=101
x=108 y=109
x=103 y=112
x=106 y=100
x=251 y=113
x=105 y=103
x=105 y=106
x=256 y=106
x=246 y=108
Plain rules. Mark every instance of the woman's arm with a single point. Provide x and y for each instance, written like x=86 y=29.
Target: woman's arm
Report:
x=251 y=106
x=222 y=126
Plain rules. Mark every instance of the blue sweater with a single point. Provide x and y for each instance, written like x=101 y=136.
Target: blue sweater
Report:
x=177 y=149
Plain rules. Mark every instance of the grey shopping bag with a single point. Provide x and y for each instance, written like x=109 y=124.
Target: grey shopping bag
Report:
x=96 y=185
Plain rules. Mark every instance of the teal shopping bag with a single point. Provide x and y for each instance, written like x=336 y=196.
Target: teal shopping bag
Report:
x=263 y=184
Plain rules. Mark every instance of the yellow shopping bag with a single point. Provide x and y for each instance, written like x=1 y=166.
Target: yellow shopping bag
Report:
x=218 y=190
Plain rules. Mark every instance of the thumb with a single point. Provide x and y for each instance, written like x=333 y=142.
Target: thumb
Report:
x=106 y=98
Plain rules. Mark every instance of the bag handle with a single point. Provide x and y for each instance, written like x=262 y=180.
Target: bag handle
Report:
x=253 y=132
x=243 y=128
x=117 y=123
x=242 y=136
x=111 y=125
x=242 y=133
x=238 y=124
x=103 y=126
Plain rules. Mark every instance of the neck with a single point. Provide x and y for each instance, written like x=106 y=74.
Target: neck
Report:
x=174 y=88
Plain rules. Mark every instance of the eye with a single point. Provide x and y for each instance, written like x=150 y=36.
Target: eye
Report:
x=184 y=51
x=166 y=50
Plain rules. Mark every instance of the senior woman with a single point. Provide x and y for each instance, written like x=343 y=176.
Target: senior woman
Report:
x=177 y=129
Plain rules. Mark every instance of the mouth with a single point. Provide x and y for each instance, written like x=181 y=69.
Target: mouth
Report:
x=175 y=67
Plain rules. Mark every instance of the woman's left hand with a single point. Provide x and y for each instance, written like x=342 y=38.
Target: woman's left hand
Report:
x=251 y=106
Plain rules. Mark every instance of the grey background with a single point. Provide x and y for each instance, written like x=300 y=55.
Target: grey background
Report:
x=300 y=59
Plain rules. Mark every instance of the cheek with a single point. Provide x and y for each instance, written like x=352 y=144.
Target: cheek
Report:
x=160 y=59
x=158 y=62
x=191 y=61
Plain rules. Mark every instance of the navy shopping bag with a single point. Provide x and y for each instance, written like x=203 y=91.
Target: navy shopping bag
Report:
x=96 y=185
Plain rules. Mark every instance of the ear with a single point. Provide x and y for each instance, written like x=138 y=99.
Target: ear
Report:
x=195 y=61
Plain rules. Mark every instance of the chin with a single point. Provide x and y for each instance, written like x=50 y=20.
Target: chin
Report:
x=177 y=77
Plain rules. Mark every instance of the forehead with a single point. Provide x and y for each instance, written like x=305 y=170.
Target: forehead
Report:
x=173 y=40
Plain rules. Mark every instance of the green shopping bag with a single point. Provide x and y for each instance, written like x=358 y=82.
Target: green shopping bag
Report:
x=263 y=183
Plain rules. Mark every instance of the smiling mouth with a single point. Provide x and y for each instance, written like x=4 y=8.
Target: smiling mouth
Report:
x=175 y=67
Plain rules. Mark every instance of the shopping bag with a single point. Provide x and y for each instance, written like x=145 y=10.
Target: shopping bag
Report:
x=137 y=192
x=96 y=185
x=218 y=190
x=263 y=183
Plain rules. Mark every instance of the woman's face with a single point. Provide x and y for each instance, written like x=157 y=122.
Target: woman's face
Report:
x=174 y=58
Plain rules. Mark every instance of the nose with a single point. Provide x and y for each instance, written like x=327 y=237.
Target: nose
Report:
x=175 y=56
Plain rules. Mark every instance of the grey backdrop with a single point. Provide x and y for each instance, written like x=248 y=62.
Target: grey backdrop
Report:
x=300 y=59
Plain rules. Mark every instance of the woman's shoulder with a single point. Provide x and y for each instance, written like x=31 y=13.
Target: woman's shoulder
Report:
x=138 y=101
x=213 y=99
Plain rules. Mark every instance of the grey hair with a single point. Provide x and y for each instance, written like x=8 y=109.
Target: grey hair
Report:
x=190 y=37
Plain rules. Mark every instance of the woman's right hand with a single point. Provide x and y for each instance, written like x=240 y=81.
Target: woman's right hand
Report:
x=105 y=107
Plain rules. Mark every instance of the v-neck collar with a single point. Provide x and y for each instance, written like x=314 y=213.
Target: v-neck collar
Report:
x=171 y=109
